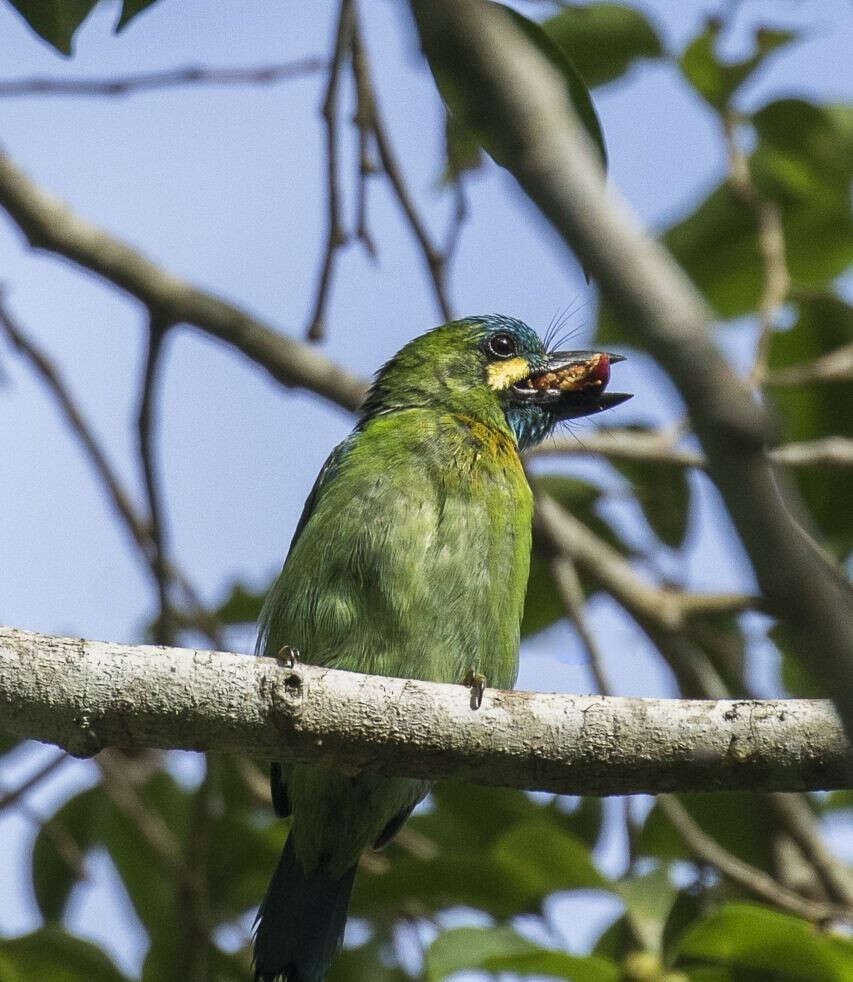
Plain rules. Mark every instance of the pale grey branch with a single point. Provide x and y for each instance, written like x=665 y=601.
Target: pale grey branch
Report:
x=87 y=695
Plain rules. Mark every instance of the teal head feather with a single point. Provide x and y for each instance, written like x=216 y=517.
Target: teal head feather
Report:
x=486 y=368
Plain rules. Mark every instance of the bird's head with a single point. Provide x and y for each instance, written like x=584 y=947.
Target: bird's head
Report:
x=497 y=370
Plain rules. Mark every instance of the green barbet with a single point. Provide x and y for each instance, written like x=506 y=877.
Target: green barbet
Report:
x=411 y=560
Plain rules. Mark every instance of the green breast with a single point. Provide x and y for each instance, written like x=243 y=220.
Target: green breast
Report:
x=414 y=560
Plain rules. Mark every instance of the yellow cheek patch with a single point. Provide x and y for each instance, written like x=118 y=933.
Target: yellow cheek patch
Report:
x=502 y=374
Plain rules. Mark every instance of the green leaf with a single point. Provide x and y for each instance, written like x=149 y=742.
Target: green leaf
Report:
x=817 y=409
x=686 y=909
x=501 y=949
x=750 y=937
x=663 y=493
x=716 y=81
x=52 y=955
x=648 y=901
x=241 y=606
x=603 y=40
x=80 y=819
x=131 y=9
x=461 y=89
x=584 y=821
x=55 y=20
x=543 y=858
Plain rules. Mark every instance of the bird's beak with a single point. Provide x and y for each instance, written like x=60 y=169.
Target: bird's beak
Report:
x=571 y=384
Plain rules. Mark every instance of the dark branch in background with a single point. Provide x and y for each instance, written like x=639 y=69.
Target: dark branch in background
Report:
x=335 y=235
x=87 y=695
x=9 y=798
x=48 y=224
x=552 y=158
x=121 y=85
x=164 y=627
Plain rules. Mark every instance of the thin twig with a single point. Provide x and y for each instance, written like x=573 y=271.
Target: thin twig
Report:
x=193 y=961
x=9 y=798
x=752 y=879
x=794 y=813
x=660 y=447
x=433 y=257
x=836 y=366
x=164 y=629
x=367 y=166
x=771 y=245
x=335 y=236
x=122 y=85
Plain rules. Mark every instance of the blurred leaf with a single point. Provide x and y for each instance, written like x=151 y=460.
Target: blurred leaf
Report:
x=584 y=821
x=544 y=858
x=53 y=879
x=364 y=964
x=663 y=493
x=648 y=901
x=687 y=908
x=603 y=40
x=501 y=949
x=55 y=20
x=131 y=9
x=241 y=606
x=52 y=955
x=717 y=81
x=794 y=675
x=739 y=821
x=749 y=937
x=818 y=409
x=461 y=89
x=617 y=940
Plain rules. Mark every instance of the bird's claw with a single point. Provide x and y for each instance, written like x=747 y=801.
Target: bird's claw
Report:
x=476 y=682
x=288 y=655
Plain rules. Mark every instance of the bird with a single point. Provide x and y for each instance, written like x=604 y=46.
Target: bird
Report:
x=410 y=560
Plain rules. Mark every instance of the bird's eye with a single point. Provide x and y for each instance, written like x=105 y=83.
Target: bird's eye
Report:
x=502 y=346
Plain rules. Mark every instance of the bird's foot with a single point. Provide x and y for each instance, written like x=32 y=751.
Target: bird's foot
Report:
x=476 y=682
x=288 y=655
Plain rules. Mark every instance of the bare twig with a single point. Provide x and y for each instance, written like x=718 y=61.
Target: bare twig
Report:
x=660 y=447
x=335 y=234
x=49 y=224
x=771 y=245
x=121 y=85
x=435 y=260
x=752 y=879
x=164 y=631
x=9 y=798
x=571 y=595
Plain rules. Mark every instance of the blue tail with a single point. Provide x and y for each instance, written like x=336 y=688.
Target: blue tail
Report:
x=300 y=922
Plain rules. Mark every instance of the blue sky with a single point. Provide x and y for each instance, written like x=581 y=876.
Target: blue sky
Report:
x=225 y=188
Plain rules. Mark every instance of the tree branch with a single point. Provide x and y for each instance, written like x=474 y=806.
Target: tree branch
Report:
x=50 y=225
x=552 y=157
x=86 y=695
x=121 y=85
